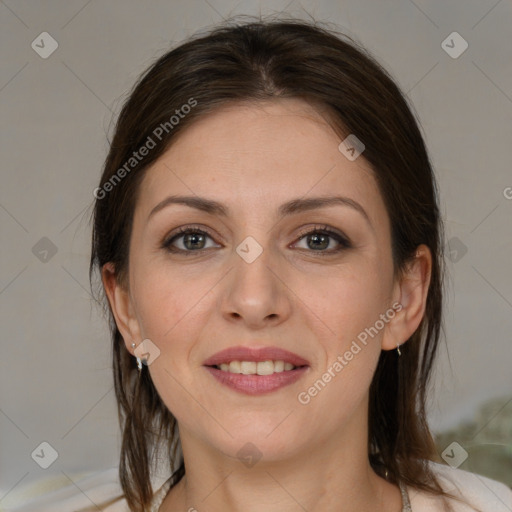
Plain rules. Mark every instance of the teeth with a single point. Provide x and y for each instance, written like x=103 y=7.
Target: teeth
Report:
x=248 y=367
x=253 y=368
x=233 y=367
x=265 y=368
x=278 y=366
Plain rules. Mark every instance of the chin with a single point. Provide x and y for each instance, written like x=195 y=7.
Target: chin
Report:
x=261 y=442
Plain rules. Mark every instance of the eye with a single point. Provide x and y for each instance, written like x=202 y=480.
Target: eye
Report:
x=317 y=239
x=191 y=238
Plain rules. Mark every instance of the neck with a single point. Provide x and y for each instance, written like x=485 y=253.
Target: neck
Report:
x=331 y=475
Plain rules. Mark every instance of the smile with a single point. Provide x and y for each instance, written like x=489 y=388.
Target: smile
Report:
x=256 y=384
x=256 y=368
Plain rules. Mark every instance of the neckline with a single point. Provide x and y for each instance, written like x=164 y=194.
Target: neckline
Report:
x=406 y=503
x=162 y=493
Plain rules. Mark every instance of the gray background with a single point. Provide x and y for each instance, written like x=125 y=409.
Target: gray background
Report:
x=55 y=376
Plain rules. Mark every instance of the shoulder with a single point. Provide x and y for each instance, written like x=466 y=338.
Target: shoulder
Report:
x=92 y=491
x=482 y=493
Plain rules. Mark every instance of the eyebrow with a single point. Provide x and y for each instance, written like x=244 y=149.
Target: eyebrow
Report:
x=290 y=207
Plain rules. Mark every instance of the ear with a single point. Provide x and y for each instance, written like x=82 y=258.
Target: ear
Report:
x=121 y=306
x=411 y=293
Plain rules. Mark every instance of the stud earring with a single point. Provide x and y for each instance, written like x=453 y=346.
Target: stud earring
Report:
x=139 y=362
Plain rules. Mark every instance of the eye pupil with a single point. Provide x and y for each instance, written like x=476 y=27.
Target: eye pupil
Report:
x=316 y=237
x=193 y=238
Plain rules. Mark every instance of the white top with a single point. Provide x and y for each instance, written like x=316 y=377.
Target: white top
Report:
x=162 y=493
x=481 y=492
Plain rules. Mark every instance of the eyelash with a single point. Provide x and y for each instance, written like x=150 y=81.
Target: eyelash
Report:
x=324 y=230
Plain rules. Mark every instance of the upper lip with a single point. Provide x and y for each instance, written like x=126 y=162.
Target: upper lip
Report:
x=256 y=354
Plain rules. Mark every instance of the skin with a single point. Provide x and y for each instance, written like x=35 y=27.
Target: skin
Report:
x=252 y=158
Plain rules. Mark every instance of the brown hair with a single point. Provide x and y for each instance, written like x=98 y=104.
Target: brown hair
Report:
x=262 y=60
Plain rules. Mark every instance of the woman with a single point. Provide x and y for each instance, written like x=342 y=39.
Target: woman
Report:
x=269 y=241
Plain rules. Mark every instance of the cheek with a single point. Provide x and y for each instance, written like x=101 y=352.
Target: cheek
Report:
x=172 y=308
x=345 y=303
x=167 y=301
x=348 y=310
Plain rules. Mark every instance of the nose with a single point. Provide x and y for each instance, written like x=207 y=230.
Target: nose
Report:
x=256 y=293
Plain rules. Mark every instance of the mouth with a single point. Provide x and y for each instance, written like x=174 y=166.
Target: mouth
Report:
x=256 y=370
x=253 y=360
x=268 y=367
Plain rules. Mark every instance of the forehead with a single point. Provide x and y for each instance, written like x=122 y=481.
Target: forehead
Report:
x=254 y=155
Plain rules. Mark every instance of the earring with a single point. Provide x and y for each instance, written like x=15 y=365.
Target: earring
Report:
x=139 y=362
x=398 y=349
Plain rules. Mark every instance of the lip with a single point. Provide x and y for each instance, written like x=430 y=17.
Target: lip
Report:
x=255 y=354
x=257 y=384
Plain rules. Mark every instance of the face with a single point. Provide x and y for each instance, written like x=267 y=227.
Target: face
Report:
x=260 y=276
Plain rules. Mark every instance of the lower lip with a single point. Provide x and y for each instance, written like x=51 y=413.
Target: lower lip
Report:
x=257 y=384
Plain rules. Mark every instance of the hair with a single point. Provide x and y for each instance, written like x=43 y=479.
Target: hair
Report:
x=255 y=61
